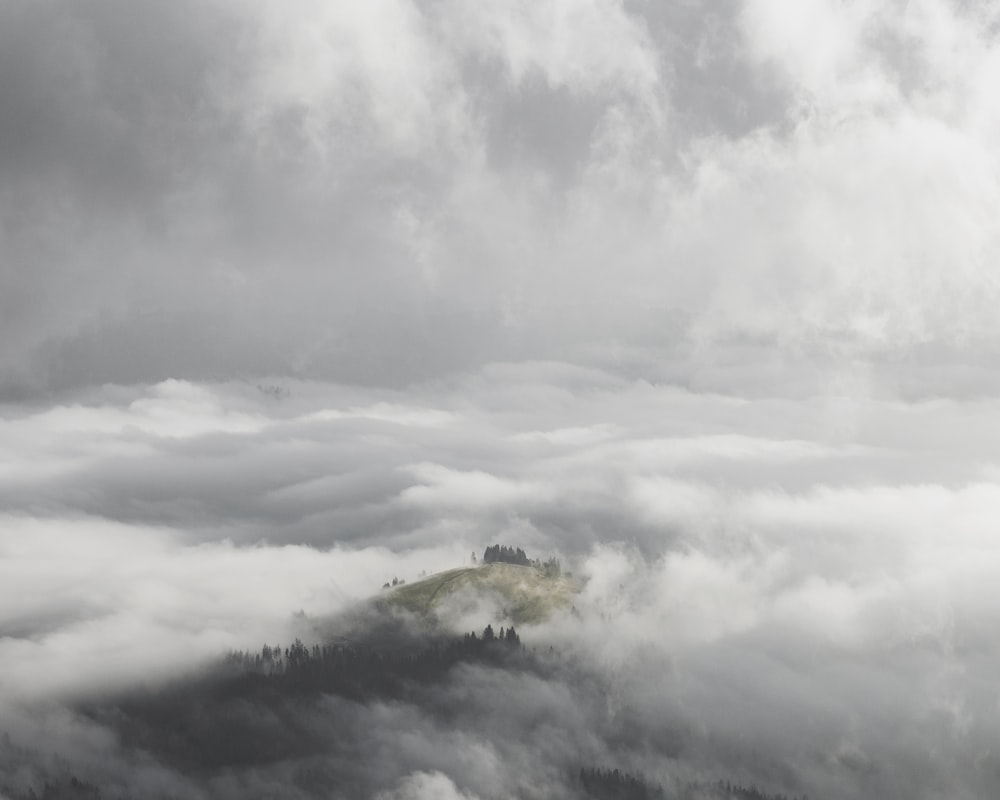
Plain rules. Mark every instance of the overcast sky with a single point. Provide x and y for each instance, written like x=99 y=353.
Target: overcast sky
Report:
x=702 y=298
x=391 y=191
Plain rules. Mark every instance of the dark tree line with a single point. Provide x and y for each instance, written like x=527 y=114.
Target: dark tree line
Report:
x=613 y=784
x=735 y=791
x=501 y=553
x=71 y=788
x=357 y=671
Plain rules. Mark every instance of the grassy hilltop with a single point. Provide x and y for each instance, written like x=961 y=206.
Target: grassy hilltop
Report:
x=526 y=592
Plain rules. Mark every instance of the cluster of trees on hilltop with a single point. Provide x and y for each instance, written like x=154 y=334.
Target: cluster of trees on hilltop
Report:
x=500 y=553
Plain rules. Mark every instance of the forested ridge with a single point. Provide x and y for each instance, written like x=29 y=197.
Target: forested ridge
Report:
x=260 y=707
x=306 y=711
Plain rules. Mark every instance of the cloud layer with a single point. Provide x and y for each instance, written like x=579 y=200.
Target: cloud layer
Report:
x=394 y=192
x=775 y=588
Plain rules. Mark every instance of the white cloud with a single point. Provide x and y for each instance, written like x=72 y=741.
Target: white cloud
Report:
x=371 y=65
x=426 y=786
x=440 y=487
x=821 y=45
x=89 y=604
x=588 y=47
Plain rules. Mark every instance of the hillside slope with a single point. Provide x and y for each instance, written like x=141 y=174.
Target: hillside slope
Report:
x=525 y=593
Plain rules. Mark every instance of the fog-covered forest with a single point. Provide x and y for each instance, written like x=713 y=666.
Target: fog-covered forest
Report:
x=303 y=721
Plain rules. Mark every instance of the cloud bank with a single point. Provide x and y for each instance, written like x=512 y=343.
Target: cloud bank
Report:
x=392 y=193
x=807 y=603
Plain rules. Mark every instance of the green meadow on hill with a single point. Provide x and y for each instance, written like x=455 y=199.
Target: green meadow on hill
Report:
x=526 y=593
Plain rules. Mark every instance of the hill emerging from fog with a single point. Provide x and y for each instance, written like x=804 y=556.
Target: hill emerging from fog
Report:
x=524 y=594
